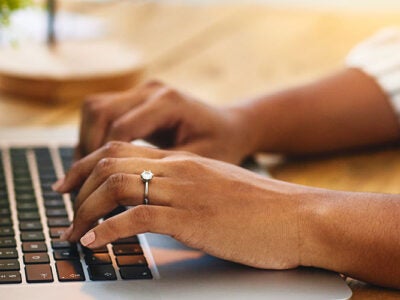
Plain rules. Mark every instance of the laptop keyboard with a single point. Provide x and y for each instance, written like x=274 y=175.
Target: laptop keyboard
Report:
x=32 y=218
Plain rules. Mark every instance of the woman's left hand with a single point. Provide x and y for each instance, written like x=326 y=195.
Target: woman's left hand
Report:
x=221 y=209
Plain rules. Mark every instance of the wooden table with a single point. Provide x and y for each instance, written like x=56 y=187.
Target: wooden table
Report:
x=226 y=53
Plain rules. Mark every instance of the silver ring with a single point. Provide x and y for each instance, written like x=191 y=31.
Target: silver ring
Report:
x=146 y=176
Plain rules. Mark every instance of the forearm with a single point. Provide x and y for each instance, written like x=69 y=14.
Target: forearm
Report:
x=356 y=234
x=341 y=111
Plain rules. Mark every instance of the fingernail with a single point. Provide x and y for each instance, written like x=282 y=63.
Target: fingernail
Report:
x=67 y=233
x=56 y=185
x=88 y=238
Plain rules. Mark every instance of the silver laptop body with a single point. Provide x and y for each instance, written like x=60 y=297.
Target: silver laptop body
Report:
x=178 y=272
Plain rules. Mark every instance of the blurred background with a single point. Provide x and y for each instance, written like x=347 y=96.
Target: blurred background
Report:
x=220 y=51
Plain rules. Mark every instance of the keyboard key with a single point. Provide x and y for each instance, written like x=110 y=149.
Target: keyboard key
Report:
x=135 y=273
x=24 y=198
x=58 y=222
x=98 y=259
x=130 y=240
x=5 y=212
x=56 y=212
x=56 y=232
x=65 y=254
x=8 y=253
x=103 y=249
x=38 y=273
x=36 y=258
x=10 y=277
x=28 y=206
x=127 y=249
x=6 y=231
x=7 y=242
x=69 y=270
x=9 y=265
x=32 y=236
x=101 y=272
x=51 y=194
x=30 y=226
x=131 y=260
x=29 y=216
x=54 y=203
x=5 y=222
x=58 y=244
x=34 y=247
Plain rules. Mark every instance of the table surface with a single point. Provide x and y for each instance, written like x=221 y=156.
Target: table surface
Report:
x=226 y=53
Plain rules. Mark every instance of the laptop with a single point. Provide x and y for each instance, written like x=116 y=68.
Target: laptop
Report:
x=35 y=264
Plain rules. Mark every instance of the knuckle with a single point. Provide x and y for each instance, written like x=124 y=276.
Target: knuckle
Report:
x=105 y=165
x=116 y=184
x=93 y=105
x=169 y=94
x=113 y=148
x=153 y=83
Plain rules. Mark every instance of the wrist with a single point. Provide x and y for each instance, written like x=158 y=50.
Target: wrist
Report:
x=267 y=121
x=313 y=216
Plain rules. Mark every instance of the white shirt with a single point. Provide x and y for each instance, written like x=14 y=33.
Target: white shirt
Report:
x=379 y=57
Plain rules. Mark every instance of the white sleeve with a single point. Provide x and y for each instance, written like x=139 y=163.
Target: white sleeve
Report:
x=379 y=57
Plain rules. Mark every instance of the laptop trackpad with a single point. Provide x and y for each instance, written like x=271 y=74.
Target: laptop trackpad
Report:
x=191 y=274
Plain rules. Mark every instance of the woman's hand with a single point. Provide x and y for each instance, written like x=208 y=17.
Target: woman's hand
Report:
x=167 y=118
x=213 y=206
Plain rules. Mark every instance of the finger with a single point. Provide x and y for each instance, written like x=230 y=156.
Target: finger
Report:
x=81 y=169
x=106 y=167
x=141 y=219
x=97 y=111
x=162 y=111
x=100 y=110
x=119 y=189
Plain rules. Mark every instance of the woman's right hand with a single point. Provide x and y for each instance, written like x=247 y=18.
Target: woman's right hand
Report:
x=167 y=118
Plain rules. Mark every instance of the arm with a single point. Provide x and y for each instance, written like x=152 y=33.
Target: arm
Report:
x=356 y=234
x=341 y=111
x=344 y=110
x=286 y=225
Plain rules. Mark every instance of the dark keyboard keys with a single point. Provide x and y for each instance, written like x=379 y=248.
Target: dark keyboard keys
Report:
x=5 y=221
x=98 y=259
x=6 y=231
x=10 y=277
x=65 y=254
x=8 y=253
x=32 y=236
x=9 y=265
x=127 y=249
x=101 y=272
x=30 y=226
x=135 y=273
x=130 y=240
x=58 y=222
x=5 y=212
x=56 y=212
x=27 y=206
x=34 y=247
x=131 y=260
x=58 y=244
x=97 y=250
x=29 y=216
x=56 y=232
x=7 y=242
x=69 y=270
x=36 y=258
x=54 y=203
x=38 y=273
